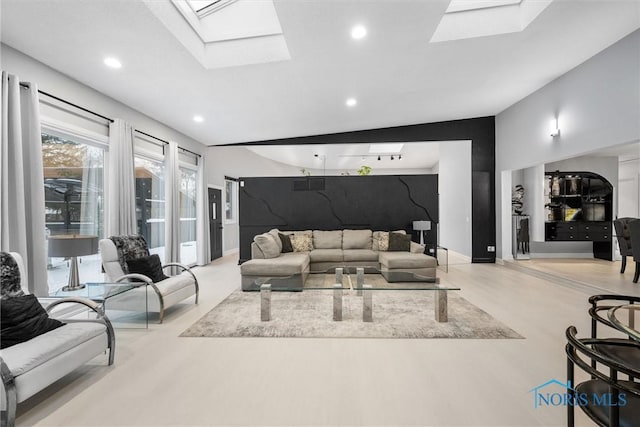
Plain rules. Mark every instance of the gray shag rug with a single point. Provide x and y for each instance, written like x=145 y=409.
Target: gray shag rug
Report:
x=308 y=314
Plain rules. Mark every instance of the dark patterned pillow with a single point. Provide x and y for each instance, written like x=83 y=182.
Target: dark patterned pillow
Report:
x=399 y=242
x=130 y=247
x=286 y=243
x=9 y=277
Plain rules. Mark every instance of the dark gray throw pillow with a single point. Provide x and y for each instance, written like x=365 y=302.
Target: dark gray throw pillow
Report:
x=150 y=266
x=399 y=242
x=286 y=243
x=23 y=318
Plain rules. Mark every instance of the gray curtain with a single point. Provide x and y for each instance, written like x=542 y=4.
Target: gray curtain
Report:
x=121 y=213
x=203 y=240
x=22 y=215
x=172 y=200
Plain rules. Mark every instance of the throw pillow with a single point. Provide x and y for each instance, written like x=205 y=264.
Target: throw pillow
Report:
x=286 y=243
x=276 y=236
x=9 y=277
x=150 y=266
x=23 y=318
x=382 y=241
x=399 y=242
x=130 y=247
x=267 y=244
x=301 y=243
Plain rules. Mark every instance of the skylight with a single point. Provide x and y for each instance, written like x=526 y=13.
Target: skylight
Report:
x=462 y=5
x=204 y=7
x=465 y=19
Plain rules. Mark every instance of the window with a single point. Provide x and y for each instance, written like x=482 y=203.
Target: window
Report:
x=150 y=203
x=74 y=201
x=230 y=201
x=188 y=182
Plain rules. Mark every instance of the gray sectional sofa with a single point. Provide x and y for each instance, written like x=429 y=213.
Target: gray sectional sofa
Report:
x=320 y=251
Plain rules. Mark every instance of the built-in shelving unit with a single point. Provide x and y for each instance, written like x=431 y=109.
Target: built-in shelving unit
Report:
x=579 y=208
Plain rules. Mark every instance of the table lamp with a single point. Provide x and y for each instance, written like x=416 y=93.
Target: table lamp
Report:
x=72 y=246
x=422 y=226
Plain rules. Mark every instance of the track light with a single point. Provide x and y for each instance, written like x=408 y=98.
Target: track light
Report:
x=378 y=157
x=399 y=156
x=391 y=157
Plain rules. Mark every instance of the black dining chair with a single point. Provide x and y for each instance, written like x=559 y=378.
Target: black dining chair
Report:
x=634 y=233
x=621 y=226
x=604 y=398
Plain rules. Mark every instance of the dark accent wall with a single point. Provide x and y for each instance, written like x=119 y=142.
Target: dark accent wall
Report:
x=481 y=132
x=378 y=202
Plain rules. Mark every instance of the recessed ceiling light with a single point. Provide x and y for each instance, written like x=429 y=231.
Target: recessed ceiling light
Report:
x=351 y=102
x=112 y=62
x=198 y=119
x=358 y=32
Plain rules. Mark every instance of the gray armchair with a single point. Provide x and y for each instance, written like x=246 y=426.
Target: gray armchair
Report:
x=621 y=226
x=167 y=292
x=32 y=365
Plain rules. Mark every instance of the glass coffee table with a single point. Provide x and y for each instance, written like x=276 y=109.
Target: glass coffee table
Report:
x=125 y=309
x=361 y=281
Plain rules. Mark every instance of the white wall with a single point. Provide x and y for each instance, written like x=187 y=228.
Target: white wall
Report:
x=454 y=188
x=597 y=105
x=629 y=188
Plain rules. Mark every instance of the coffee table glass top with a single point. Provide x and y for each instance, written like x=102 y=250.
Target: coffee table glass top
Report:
x=327 y=280
x=126 y=304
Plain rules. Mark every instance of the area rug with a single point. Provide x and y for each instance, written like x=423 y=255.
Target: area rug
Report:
x=308 y=314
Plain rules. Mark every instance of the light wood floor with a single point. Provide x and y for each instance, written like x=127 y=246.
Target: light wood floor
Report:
x=160 y=379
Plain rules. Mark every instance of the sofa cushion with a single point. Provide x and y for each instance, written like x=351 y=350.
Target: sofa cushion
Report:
x=293 y=263
x=356 y=239
x=149 y=266
x=323 y=255
x=360 y=255
x=406 y=260
x=301 y=243
x=380 y=241
x=276 y=236
x=399 y=242
x=129 y=247
x=327 y=239
x=174 y=283
x=30 y=354
x=286 y=243
x=267 y=244
x=23 y=318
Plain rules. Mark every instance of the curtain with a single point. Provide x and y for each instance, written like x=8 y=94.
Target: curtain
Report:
x=172 y=200
x=22 y=216
x=121 y=213
x=90 y=221
x=203 y=239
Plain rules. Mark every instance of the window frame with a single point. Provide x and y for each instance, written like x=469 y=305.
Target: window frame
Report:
x=234 y=202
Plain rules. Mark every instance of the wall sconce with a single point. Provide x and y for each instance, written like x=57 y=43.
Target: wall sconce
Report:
x=554 y=130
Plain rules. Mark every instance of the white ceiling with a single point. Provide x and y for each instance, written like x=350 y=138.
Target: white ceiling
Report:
x=396 y=74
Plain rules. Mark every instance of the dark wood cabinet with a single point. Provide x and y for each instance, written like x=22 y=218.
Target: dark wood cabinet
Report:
x=579 y=208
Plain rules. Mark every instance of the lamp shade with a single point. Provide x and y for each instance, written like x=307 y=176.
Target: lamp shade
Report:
x=422 y=225
x=70 y=245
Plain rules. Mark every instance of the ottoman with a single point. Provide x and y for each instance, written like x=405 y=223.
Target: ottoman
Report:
x=407 y=267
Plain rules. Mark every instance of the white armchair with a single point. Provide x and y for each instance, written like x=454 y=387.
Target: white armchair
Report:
x=167 y=292
x=30 y=366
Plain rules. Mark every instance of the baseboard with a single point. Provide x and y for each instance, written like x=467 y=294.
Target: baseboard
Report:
x=539 y=255
x=230 y=251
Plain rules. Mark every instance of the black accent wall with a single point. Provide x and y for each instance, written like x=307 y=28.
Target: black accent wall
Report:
x=378 y=202
x=481 y=132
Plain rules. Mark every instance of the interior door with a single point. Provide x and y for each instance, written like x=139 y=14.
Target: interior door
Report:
x=215 y=222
